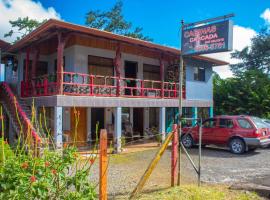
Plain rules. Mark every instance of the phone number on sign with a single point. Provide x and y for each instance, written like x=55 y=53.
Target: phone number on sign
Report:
x=214 y=46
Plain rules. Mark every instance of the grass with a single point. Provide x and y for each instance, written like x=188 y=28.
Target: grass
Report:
x=206 y=192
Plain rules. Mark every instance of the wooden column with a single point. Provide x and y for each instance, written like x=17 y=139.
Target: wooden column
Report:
x=118 y=67
x=161 y=61
x=34 y=63
x=60 y=62
x=27 y=61
x=103 y=165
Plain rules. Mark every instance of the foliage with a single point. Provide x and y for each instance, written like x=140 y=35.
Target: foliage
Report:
x=22 y=26
x=53 y=174
x=50 y=176
x=191 y=192
x=257 y=56
x=114 y=21
x=247 y=93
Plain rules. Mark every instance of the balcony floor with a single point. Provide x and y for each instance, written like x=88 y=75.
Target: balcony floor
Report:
x=92 y=101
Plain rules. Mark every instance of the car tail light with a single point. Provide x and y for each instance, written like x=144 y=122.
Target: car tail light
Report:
x=257 y=133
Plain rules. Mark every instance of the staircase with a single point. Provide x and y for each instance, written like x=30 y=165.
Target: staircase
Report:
x=18 y=111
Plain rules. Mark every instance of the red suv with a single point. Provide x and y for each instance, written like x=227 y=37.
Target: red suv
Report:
x=239 y=133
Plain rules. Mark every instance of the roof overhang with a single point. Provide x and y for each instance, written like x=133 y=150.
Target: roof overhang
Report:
x=57 y=24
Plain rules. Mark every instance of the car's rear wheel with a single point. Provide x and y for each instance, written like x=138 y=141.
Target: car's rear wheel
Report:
x=237 y=146
x=187 y=141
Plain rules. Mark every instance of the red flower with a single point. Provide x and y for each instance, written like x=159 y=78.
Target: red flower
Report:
x=24 y=165
x=54 y=171
x=47 y=164
x=92 y=160
x=33 y=179
x=65 y=145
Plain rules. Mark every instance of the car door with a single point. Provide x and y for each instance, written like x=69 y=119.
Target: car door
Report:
x=208 y=128
x=224 y=130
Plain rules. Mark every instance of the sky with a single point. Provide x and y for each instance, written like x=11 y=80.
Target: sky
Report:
x=160 y=19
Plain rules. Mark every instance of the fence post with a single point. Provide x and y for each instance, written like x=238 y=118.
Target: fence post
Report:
x=174 y=155
x=103 y=165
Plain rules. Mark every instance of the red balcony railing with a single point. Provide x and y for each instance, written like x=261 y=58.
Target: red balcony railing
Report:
x=78 y=84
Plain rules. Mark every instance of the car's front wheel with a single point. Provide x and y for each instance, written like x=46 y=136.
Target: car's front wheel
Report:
x=187 y=141
x=237 y=146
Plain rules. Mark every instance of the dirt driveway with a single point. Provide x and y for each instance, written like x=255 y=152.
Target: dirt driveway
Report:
x=218 y=166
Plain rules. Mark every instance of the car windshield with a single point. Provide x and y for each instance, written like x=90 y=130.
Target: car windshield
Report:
x=259 y=122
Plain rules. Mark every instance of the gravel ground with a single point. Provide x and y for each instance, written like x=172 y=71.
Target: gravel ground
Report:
x=218 y=166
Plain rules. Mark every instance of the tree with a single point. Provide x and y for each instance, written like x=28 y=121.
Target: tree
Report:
x=257 y=56
x=247 y=93
x=114 y=21
x=22 y=26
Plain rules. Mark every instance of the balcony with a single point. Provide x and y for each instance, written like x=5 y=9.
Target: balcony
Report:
x=78 y=84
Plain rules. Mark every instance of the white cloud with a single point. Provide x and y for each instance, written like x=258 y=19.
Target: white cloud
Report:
x=12 y=9
x=266 y=15
x=241 y=38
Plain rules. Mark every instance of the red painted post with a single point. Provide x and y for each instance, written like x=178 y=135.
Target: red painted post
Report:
x=175 y=90
x=174 y=156
x=60 y=62
x=45 y=86
x=162 y=76
x=91 y=84
x=103 y=165
x=27 y=65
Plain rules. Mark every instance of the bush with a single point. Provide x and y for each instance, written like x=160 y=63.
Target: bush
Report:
x=53 y=175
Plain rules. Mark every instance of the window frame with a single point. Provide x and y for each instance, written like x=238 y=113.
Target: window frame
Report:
x=226 y=124
x=197 y=75
x=251 y=126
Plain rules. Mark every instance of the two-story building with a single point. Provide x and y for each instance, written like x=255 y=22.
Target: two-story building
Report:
x=82 y=77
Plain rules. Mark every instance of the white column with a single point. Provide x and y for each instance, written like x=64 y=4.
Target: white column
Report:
x=162 y=123
x=131 y=116
x=118 y=129
x=146 y=118
x=58 y=126
x=88 y=119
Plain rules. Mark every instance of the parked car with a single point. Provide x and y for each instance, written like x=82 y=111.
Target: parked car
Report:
x=239 y=133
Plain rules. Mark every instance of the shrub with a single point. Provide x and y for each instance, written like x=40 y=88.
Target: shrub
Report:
x=53 y=175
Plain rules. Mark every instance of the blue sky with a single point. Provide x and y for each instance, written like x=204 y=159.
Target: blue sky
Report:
x=160 y=19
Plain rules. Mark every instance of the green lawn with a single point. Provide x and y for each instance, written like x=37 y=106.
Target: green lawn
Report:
x=191 y=192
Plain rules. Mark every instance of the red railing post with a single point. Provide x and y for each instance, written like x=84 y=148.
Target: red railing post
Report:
x=175 y=90
x=162 y=89
x=118 y=86
x=142 y=88
x=45 y=86
x=174 y=155
x=103 y=165
x=91 y=85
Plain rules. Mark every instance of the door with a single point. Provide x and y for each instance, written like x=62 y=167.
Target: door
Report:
x=97 y=121
x=78 y=126
x=222 y=134
x=130 y=72
x=208 y=129
x=138 y=120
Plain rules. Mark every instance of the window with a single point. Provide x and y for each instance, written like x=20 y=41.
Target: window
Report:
x=243 y=123
x=225 y=123
x=209 y=123
x=199 y=74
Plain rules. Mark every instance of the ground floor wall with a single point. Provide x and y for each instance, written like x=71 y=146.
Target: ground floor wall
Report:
x=81 y=125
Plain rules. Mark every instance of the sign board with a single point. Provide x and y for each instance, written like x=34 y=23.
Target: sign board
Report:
x=210 y=38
